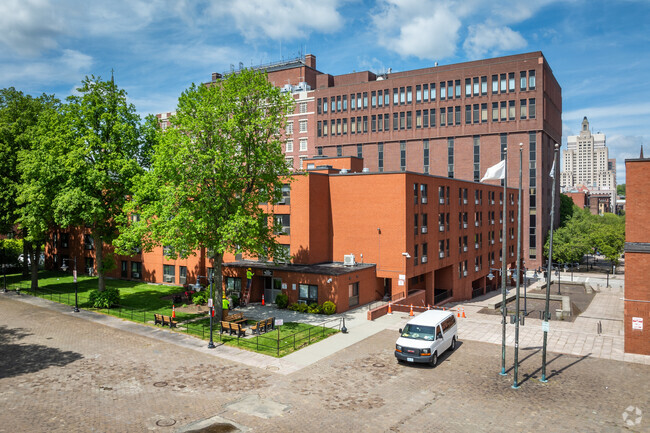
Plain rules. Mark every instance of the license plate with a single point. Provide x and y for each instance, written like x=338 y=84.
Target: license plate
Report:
x=409 y=359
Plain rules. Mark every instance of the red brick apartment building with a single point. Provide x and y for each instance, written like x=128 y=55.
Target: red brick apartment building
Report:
x=450 y=120
x=355 y=236
x=637 y=257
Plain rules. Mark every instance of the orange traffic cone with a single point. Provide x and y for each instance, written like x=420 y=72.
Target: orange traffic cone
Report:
x=428 y=307
x=411 y=312
x=464 y=317
x=458 y=313
x=390 y=310
x=173 y=312
x=263 y=301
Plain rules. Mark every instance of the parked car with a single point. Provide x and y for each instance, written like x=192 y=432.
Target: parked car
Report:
x=426 y=337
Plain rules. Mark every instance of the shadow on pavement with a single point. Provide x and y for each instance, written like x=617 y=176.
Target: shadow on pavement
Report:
x=17 y=359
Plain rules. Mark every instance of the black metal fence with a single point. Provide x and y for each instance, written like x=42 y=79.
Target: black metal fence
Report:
x=275 y=342
x=441 y=295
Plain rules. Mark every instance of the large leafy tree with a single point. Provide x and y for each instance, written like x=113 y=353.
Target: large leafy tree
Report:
x=19 y=116
x=102 y=147
x=210 y=172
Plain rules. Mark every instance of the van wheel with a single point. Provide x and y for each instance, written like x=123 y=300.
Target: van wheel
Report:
x=453 y=343
x=434 y=359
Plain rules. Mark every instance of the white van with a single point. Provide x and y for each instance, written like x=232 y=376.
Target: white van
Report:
x=426 y=337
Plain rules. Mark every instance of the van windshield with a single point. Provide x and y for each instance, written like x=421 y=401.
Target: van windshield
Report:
x=419 y=332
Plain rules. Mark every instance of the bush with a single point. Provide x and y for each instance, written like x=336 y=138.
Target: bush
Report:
x=301 y=308
x=105 y=299
x=314 y=308
x=235 y=301
x=200 y=298
x=328 y=307
x=282 y=300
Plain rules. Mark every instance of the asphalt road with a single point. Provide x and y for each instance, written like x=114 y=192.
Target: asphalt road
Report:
x=61 y=373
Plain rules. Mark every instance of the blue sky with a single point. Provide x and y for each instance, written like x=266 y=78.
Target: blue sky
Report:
x=599 y=51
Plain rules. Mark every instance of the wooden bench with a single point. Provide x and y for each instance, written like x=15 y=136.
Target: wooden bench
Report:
x=233 y=329
x=263 y=326
x=237 y=317
x=159 y=319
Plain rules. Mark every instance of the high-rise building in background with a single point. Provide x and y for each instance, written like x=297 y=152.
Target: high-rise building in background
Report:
x=587 y=168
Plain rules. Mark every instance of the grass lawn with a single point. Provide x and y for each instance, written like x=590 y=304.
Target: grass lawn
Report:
x=138 y=296
x=288 y=337
x=139 y=301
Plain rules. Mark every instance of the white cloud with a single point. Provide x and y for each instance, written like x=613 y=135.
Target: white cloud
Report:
x=70 y=66
x=483 y=39
x=428 y=30
x=29 y=26
x=279 y=19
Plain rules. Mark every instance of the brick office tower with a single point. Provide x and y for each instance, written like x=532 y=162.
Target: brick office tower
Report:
x=637 y=256
x=452 y=121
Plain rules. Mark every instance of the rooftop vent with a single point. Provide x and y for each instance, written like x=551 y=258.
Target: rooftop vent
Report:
x=365 y=170
x=348 y=260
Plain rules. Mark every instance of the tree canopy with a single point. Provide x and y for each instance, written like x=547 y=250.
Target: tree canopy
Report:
x=210 y=171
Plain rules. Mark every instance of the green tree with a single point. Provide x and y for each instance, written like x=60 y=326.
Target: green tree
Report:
x=19 y=115
x=620 y=190
x=566 y=209
x=103 y=145
x=210 y=172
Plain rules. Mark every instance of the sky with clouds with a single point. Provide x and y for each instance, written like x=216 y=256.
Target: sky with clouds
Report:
x=599 y=50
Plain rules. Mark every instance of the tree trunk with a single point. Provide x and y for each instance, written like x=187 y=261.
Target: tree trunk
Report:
x=36 y=256
x=218 y=285
x=99 y=258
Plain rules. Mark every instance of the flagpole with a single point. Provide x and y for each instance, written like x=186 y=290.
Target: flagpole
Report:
x=503 y=266
x=547 y=316
x=515 y=384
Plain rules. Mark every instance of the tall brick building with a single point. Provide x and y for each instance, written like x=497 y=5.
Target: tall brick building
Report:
x=637 y=256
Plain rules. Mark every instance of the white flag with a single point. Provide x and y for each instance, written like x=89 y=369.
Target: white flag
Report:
x=552 y=174
x=495 y=172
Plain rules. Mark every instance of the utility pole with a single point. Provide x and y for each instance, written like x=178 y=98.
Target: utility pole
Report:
x=515 y=384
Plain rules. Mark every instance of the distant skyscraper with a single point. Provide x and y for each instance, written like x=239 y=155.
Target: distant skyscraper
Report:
x=586 y=162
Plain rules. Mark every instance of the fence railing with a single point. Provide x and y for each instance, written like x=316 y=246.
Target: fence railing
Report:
x=271 y=342
x=441 y=296
x=477 y=292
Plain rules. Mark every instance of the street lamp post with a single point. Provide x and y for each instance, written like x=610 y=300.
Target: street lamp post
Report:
x=607 y=278
x=210 y=306
x=64 y=267
x=559 y=279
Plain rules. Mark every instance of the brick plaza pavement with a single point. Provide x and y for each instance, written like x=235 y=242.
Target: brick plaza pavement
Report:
x=62 y=373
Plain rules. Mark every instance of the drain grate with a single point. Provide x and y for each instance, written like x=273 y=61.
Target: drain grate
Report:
x=160 y=384
x=165 y=422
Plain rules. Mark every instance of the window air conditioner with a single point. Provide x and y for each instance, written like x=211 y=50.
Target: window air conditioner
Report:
x=348 y=260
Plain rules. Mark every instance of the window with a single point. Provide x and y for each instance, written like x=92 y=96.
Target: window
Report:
x=395 y=121
x=65 y=237
x=433 y=92
x=380 y=156
x=359 y=150
x=289 y=146
x=477 y=158
x=182 y=274
x=425 y=222
x=402 y=95
x=338 y=128
x=365 y=99
x=476 y=86
x=373 y=123
x=233 y=286
x=286 y=195
x=353 y=293
x=352 y=102
x=443 y=91
x=416 y=260
x=373 y=99
x=302 y=162
x=511 y=82
x=345 y=126
x=495 y=111
x=531 y=108
x=504 y=83
x=432 y=117
x=380 y=98
x=450 y=116
x=457 y=115
x=325 y=128
x=284 y=224
x=409 y=120
x=365 y=124
x=333 y=104
x=402 y=154
x=125 y=269
x=395 y=96
x=319 y=128
x=531 y=80
x=303 y=125
x=318 y=106
x=338 y=103
x=409 y=95
x=339 y=150
x=418 y=93
x=457 y=85
x=169 y=274
x=425 y=92
x=345 y=102
x=522 y=80
x=511 y=110
x=289 y=161
x=523 y=109
x=450 y=157
x=289 y=127
x=484 y=113
x=89 y=242
x=386 y=98
x=302 y=107
x=415 y=224
x=324 y=105
x=418 y=119
x=484 y=85
x=386 y=122
x=425 y=118
x=504 y=110
x=425 y=155
x=415 y=193
x=307 y=293
x=475 y=113
x=468 y=87
x=359 y=101
x=443 y=116
x=495 y=84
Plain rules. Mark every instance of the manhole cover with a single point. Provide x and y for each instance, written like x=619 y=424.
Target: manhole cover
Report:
x=165 y=422
x=378 y=365
x=160 y=384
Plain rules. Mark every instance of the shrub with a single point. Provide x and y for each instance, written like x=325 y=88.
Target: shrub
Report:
x=235 y=301
x=301 y=308
x=328 y=307
x=105 y=299
x=200 y=298
x=314 y=308
x=282 y=300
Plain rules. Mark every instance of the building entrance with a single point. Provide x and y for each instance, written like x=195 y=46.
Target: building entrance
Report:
x=272 y=287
